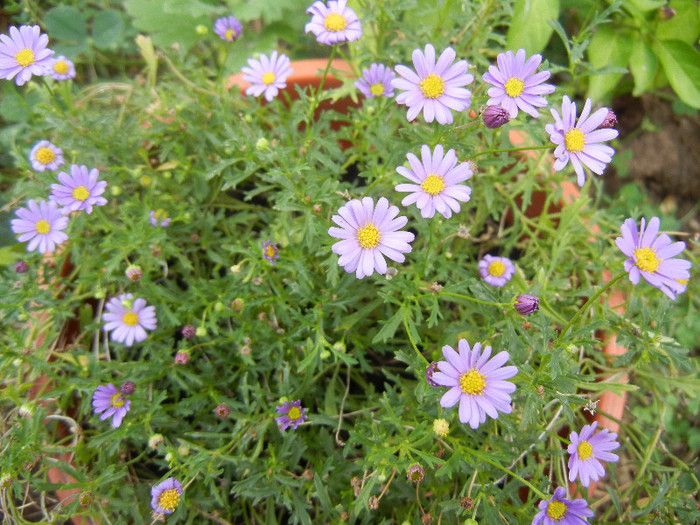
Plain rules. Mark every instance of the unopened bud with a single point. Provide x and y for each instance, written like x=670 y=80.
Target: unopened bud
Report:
x=133 y=273
x=495 y=117
x=609 y=122
x=128 y=388
x=21 y=267
x=262 y=144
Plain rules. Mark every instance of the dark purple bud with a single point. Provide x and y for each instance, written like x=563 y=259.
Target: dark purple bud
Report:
x=610 y=121
x=128 y=388
x=222 y=411
x=666 y=13
x=429 y=373
x=21 y=267
x=495 y=117
x=526 y=304
x=182 y=358
x=189 y=331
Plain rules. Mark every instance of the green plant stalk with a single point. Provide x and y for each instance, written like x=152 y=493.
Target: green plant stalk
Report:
x=506 y=150
x=488 y=460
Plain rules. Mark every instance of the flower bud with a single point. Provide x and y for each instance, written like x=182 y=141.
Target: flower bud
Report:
x=133 y=273
x=219 y=306
x=200 y=331
x=128 y=388
x=262 y=144
x=183 y=451
x=610 y=121
x=429 y=373
x=495 y=117
x=21 y=267
x=415 y=473
x=526 y=304
x=5 y=481
x=201 y=29
x=86 y=498
x=115 y=190
x=222 y=411
x=666 y=13
x=182 y=358
x=189 y=331
x=441 y=427
x=155 y=440
x=237 y=304
x=127 y=304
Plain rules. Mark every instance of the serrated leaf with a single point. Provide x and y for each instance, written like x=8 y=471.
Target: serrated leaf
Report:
x=66 y=23
x=167 y=21
x=681 y=64
x=608 y=48
x=530 y=27
x=107 y=29
x=685 y=26
x=643 y=66
x=389 y=327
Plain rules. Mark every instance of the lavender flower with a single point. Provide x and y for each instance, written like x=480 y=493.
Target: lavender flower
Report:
x=580 y=142
x=496 y=271
x=476 y=382
x=41 y=224
x=228 y=28
x=495 y=117
x=128 y=319
x=80 y=190
x=61 y=68
x=586 y=452
x=292 y=414
x=376 y=81
x=368 y=234
x=158 y=218
x=24 y=54
x=559 y=510
x=108 y=401
x=527 y=304
x=165 y=496
x=270 y=251
x=267 y=75
x=436 y=182
x=46 y=156
x=21 y=267
x=651 y=256
x=434 y=88
x=333 y=24
x=516 y=85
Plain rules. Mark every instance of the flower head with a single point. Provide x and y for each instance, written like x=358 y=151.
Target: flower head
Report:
x=24 y=54
x=516 y=85
x=41 y=224
x=496 y=271
x=651 y=256
x=368 y=234
x=561 y=511
x=376 y=81
x=159 y=217
x=476 y=382
x=128 y=319
x=61 y=68
x=495 y=117
x=436 y=182
x=434 y=88
x=441 y=427
x=415 y=473
x=165 y=496
x=527 y=304
x=432 y=368
x=46 y=156
x=292 y=414
x=586 y=452
x=334 y=23
x=267 y=75
x=228 y=28
x=80 y=190
x=579 y=142
x=270 y=251
x=110 y=402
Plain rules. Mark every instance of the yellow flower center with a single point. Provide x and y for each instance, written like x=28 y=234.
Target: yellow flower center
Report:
x=230 y=34
x=575 y=140
x=268 y=78
x=61 y=67
x=433 y=184
x=585 y=450
x=160 y=214
x=43 y=227
x=25 y=57
x=270 y=251
x=377 y=89
x=368 y=236
x=117 y=401
x=169 y=499
x=432 y=86
x=335 y=22
x=556 y=510
x=646 y=259
x=81 y=193
x=130 y=319
x=496 y=268
x=45 y=155
x=294 y=413
x=682 y=282
x=514 y=87
x=472 y=382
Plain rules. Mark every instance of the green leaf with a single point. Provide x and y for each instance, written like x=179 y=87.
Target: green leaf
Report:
x=66 y=23
x=608 y=47
x=107 y=29
x=643 y=66
x=647 y=5
x=681 y=64
x=530 y=27
x=685 y=26
x=389 y=327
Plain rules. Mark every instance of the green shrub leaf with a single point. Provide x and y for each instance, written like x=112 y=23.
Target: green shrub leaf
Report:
x=681 y=64
x=530 y=28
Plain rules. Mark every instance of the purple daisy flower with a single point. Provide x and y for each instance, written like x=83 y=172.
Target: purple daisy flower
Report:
x=496 y=271
x=158 y=218
x=228 y=28
x=559 y=510
x=270 y=251
x=24 y=54
x=652 y=256
x=61 y=68
x=436 y=182
x=165 y=496
x=368 y=234
x=110 y=402
x=292 y=414
x=334 y=23
x=586 y=452
x=80 y=190
x=128 y=319
x=267 y=75
x=580 y=142
x=434 y=88
x=46 y=156
x=41 y=224
x=516 y=85
x=376 y=81
x=476 y=382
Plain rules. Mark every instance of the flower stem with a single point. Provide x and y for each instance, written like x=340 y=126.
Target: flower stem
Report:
x=410 y=337
x=505 y=150
x=465 y=297
x=488 y=460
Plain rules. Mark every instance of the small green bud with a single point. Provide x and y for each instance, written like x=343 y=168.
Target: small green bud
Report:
x=200 y=332
x=100 y=293
x=248 y=118
x=325 y=354
x=128 y=304
x=167 y=174
x=262 y=144
x=145 y=181
x=183 y=450
x=339 y=347
x=219 y=306
x=471 y=521
x=201 y=30
x=155 y=440
x=115 y=190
